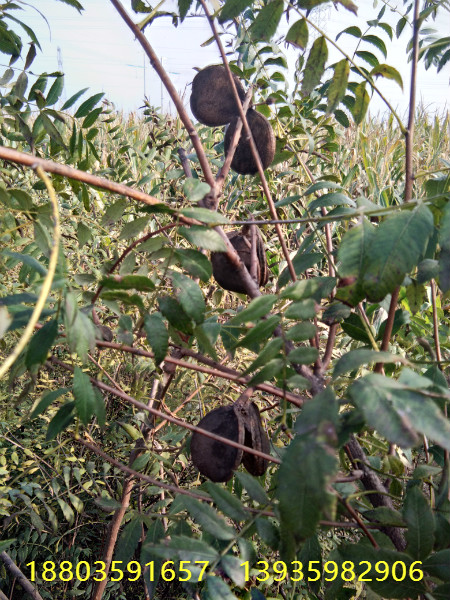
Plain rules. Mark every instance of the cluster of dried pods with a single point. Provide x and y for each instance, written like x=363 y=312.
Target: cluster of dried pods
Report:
x=223 y=270
x=213 y=103
x=239 y=422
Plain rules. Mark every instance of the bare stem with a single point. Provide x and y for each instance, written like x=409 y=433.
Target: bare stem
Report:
x=437 y=344
x=409 y=134
x=388 y=329
x=165 y=79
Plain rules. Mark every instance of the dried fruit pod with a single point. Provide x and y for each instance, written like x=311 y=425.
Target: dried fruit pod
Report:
x=212 y=99
x=243 y=160
x=104 y=333
x=224 y=271
x=214 y=459
x=255 y=437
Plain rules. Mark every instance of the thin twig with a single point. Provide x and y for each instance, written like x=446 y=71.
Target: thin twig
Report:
x=162 y=415
x=409 y=134
x=221 y=176
x=388 y=329
x=184 y=162
x=66 y=171
x=17 y=573
x=437 y=344
x=166 y=81
x=217 y=371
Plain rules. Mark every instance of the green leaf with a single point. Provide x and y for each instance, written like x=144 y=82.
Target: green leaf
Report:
x=301 y=332
x=442 y=592
x=128 y=540
x=84 y=234
x=338 y=85
x=5 y=544
x=271 y=349
x=157 y=335
x=232 y=9
x=303 y=478
x=298 y=34
x=309 y=4
x=55 y=91
x=41 y=343
x=50 y=128
x=438 y=565
x=388 y=72
x=369 y=57
x=267 y=20
x=80 y=330
x=362 y=356
x=196 y=263
x=315 y=65
x=385 y=515
x=91 y=118
x=323 y=408
x=84 y=395
x=205 y=215
x=71 y=101
x=303 y=356
x=114 y=212
x=317 y=288
x=349 y=5
x=61 y=420
x=208 y=519
x=398 y=413
x=377 y=42
x=217 y=589
x=232 y=567
x=268 y=532
x=260 y=332
x=195 y=190
x=46 y=400
x=353 y=30
x=183 y=7
x=258 y=307
x=253 y=487
x=419 y=518
x=390 y=587
x=206 y=335
x=203 y=237
x=398 y=245
x=361 y=105
x=300 y=262
x=134 y=228
x=305 y=309
x=190 y=296
x=228 y=503
x=268 y=372
x=185 y=548
x=86 y=107
x=128 y=282
x=444 y=258
x=174 y=313
x=30 y=261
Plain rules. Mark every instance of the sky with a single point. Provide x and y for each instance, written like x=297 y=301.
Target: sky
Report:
x=97 y=50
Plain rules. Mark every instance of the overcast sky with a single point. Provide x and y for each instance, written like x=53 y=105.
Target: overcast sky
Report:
x=98 y=51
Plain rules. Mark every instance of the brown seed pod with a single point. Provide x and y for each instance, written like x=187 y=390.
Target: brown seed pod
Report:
x=212 y=99
x=104 y=333
x=256 y=438
x=243 y=161
x=226 y=274
x=214 y=459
